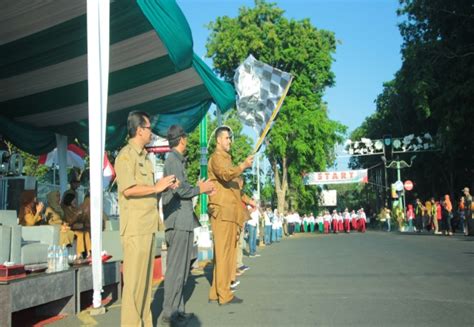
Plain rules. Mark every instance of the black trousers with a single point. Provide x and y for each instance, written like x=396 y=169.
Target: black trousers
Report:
x=178 y=263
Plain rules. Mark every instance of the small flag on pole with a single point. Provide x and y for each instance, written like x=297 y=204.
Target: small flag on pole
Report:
x=108 y=172
x=261 y=90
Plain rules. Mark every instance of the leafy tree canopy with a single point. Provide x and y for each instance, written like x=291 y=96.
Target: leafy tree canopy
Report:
x=303 y=137
x=432 y=92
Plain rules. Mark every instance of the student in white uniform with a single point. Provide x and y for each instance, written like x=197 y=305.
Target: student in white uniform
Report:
x=354 y=218
x=268 y=215
x=327 y=221
x=311 y=223
x=347 y=221
x=297 y=221
x=340 y=222
x=275 y=226
x=252 y=225
x=334 y=222
x=320 y=222
x=279 y=227
x=362 y=220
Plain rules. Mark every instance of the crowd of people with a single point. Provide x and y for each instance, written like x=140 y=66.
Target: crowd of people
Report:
x=64 y=211
x=275 y=225
x=438 y=216
x=232 y=215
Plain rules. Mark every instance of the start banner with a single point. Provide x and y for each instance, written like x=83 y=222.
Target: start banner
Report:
x=336 y=177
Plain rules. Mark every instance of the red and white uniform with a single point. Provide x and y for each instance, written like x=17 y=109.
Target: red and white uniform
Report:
x=354 y=218
x=334 y=222
x=347 y=221
x=327 y=222
x=340 y=222
x=362 y=220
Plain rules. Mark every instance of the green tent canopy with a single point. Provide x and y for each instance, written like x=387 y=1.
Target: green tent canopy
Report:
x=43 y=71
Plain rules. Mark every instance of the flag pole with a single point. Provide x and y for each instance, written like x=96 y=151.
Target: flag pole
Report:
x=270 y=121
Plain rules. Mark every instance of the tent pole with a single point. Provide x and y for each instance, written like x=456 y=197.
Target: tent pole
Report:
x=61 y=144
x=203 y=144
x=98 y=47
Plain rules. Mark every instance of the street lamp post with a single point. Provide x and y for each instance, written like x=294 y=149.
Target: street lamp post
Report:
x=399 y=165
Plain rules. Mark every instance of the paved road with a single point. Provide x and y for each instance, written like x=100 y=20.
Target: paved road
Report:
x=371 y=279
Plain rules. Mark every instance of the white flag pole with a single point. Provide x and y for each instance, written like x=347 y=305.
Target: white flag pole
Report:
x=98 y=26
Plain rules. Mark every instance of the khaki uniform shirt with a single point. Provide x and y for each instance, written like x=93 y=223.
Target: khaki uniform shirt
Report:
x=138 y=215
x=226 y=203
x=52 y=217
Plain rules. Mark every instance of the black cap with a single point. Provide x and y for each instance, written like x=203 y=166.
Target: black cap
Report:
x=175 y=132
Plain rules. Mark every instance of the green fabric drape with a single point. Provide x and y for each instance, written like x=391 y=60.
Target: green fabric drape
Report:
x=172 y=27
x=27 y=118
x=35 y=141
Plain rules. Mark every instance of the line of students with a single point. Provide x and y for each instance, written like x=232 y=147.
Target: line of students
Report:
x=326 y=222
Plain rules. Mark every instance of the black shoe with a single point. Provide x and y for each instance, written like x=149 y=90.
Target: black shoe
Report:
x=184 y=316
x=235 y=300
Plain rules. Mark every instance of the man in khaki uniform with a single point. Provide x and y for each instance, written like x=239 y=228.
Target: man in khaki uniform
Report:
x=225 y=215
x=137 y=196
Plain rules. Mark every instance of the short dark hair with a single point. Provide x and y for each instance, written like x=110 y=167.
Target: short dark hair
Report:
x=222 y=129
x=136 y=119
x=68 y=198
x=175 y=133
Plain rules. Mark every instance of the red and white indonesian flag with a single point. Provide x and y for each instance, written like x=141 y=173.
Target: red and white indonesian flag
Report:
x=109 y=172
x=75 y=157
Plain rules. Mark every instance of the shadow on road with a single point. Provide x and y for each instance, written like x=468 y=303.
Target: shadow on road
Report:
x=157 y=304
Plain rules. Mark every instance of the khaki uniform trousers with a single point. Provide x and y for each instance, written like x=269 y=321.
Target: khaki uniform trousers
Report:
x=239 y=249
x=83 y=242
x=225 y=238
x=138 y=255
x=66 y=237
x=237 y=252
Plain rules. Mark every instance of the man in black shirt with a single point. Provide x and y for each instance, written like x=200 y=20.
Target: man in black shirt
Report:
x=180 y=222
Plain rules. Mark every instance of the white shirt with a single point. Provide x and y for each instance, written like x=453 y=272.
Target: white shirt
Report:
x=254 y=216
x=296 y=218
x=327 y=218
x=347 y=216
x=362 y=216
x=267 y=219
x=275 y=221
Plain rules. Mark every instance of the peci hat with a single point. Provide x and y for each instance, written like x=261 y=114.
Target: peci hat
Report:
x=175 y=132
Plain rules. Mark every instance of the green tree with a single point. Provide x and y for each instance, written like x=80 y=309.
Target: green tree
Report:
x=31 y=166
x=432 y=92
x=303 y=137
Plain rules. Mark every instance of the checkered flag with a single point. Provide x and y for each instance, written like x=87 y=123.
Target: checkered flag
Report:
x=261 y=89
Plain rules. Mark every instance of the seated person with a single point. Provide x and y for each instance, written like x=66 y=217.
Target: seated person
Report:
x=30 y=210
x=55 y=216
x=86 y=209
x=76 y=220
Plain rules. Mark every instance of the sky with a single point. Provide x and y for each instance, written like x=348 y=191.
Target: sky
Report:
x=368 y=53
